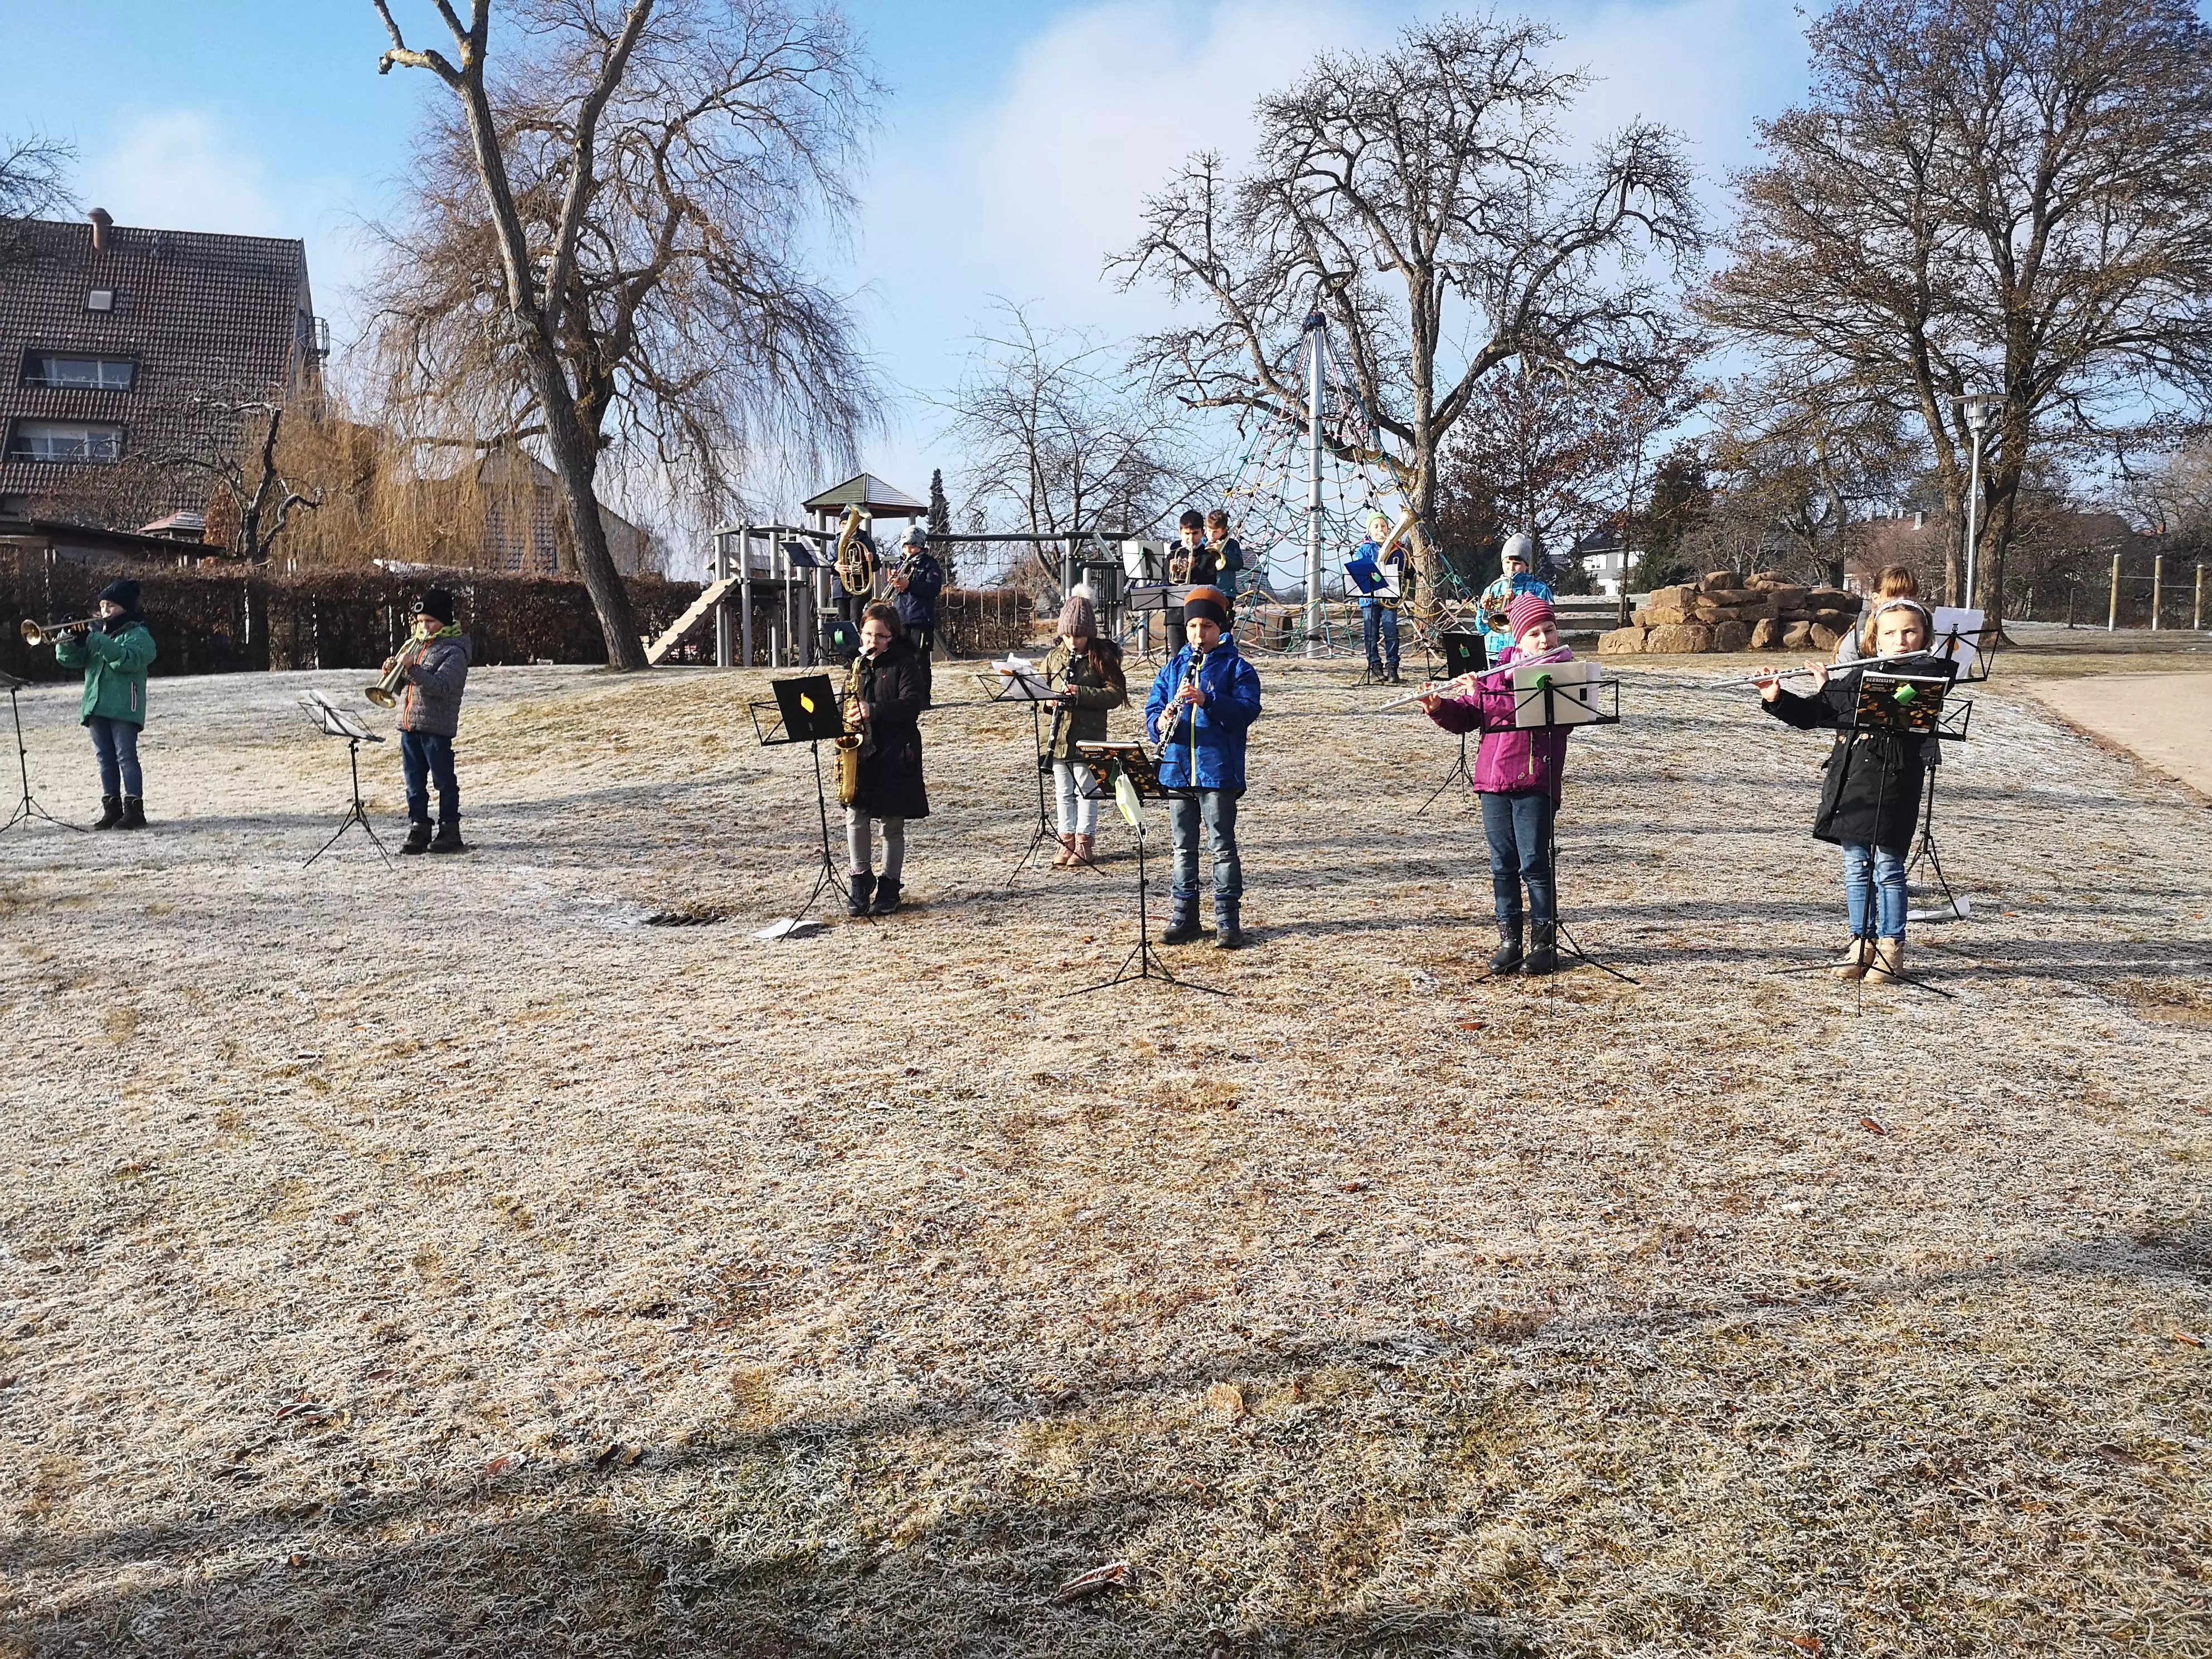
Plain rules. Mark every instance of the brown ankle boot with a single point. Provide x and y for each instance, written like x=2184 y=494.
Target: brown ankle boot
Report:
x=1858 y=955
x=1064 y=858
x=1888 y=964
x=1086 y=849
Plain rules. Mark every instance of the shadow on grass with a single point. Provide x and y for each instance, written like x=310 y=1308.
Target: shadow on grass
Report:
x=718 y=1547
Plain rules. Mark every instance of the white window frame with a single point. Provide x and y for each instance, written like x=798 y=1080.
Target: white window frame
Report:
x=90 y=450
x=101 y=366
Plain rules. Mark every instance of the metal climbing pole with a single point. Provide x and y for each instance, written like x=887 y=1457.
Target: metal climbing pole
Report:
x=1315 y=616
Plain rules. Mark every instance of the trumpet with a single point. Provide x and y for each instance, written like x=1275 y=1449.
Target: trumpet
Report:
x=386 y=692
x=38 y=633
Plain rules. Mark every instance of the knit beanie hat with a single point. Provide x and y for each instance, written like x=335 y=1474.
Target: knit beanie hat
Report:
x=1517 y=547
x=1079 y=617
x=1526 y=612
x=125 y=592
x=1209 y=602
x=436 y=603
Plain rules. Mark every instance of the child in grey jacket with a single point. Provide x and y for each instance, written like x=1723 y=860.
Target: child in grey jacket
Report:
x=437 y=671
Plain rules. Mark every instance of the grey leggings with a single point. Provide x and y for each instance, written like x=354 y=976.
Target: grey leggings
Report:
x=859 y=844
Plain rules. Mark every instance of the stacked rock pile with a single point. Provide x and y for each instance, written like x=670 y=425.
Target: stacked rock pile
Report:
x=1728 y=612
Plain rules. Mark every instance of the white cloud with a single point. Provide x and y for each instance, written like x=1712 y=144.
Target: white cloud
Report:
x=183 y=169
x=176 y=170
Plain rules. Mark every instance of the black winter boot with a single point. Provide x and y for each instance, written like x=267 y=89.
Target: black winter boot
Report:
x=887 y=897
x=1228 y=924
x=418 y=837
x=1543 y=949
x=1508 y=959
x=134 y=812
x=110 y=812
x=448 y=838
x=1182 y=920
x=863 y=889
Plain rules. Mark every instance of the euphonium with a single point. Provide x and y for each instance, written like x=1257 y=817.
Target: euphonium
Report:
x=856 y=562
x=37 y=633
x=849 y=746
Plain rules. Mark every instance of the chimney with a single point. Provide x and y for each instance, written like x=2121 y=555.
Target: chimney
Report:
x=102 y=223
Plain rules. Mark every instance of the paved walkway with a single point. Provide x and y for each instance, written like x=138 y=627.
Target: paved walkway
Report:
x=2163 y=719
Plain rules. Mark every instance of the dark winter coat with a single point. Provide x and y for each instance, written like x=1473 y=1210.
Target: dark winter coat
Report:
x=917 y=605
x=1871 y=796
x=436 y=679
x=1205 y=749
x=1099 y=684
x=896 y=692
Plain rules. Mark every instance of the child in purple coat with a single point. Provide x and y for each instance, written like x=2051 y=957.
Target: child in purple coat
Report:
x=1517 y=778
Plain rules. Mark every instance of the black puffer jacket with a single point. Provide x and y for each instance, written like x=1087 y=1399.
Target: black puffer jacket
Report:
x=896 y=692
x=1872 y=793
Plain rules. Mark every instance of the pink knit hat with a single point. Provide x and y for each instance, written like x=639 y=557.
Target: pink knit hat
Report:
x=1526 y=611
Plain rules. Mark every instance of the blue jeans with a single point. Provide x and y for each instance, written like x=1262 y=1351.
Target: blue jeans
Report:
x=1874 y=880
x=1375 y=621
x=116 y=743
x=1216 y=810
x=1518 y=827
x=423 y=755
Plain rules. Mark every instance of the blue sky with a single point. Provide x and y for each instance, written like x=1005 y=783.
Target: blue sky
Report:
x=1014 y=149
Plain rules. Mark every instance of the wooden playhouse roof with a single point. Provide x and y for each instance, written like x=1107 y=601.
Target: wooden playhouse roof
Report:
x=875 y=497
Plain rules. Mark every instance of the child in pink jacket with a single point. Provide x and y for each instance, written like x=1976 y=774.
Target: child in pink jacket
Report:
x=1517 y=778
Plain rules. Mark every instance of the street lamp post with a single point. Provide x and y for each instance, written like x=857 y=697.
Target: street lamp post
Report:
x=1980 y=412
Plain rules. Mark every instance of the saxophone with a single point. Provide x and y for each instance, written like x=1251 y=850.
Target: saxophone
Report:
x=849 y=746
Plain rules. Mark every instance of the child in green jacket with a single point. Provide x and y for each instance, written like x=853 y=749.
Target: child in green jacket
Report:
x=114 y=653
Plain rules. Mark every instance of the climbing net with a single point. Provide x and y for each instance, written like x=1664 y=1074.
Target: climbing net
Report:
x=1268 y=502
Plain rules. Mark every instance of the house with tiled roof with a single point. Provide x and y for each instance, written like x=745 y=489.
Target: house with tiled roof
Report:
x=115 y=343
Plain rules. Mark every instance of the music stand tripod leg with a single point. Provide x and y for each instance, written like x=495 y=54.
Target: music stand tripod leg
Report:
x=356 y=813
x=825 y=877
x=28 y=807
x=1458 y=775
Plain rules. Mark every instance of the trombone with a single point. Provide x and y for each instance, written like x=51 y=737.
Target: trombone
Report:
x=38 y=633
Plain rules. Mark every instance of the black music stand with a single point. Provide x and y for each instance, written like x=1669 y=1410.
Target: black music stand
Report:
x=1900 y=705
x=1464 y=654
x=1141 y=600
x=1551 y=703
x=27 y=808
x=805 y=710
x=333 y=721
x=1112 y=762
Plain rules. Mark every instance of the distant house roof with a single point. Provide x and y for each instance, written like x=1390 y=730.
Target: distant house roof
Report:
x=128 y=332
x=184 y=524
x=88 y=542
x=871 y=494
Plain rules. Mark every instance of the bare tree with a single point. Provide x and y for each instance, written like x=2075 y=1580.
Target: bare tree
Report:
x=1421 y=200
x=1061 y=438
x=604 y=253
x=253 y=503
x=2004 y=196
x=1796 y=473
x=1554 y=455
x=32 y=181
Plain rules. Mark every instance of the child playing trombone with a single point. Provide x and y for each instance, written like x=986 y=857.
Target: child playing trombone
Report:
x=1517 y=778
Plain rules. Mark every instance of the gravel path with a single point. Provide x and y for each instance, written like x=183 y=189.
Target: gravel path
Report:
x=441 y=1259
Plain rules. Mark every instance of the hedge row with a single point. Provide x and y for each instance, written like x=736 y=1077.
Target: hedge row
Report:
x=213 y=620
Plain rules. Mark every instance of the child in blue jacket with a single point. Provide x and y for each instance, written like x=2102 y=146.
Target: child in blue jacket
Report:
x=1204 y=700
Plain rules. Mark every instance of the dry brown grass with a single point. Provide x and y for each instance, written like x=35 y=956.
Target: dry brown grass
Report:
x=444 y=1262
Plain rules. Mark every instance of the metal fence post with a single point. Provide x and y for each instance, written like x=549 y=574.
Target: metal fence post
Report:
x=2113 y=615
x=2157 y=587
x=2196 y=621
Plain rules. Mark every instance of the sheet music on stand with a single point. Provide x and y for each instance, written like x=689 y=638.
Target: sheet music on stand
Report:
x=1964 y=636
x=332 y=721
x=1019 y=680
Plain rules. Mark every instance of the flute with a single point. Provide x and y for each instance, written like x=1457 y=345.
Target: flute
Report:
x=1438 y=687
x=1833 y=668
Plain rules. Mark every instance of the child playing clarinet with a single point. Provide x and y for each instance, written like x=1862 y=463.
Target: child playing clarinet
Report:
x=1518 y=774
x=1202 y=704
